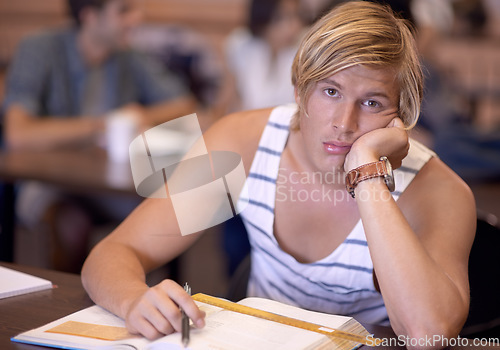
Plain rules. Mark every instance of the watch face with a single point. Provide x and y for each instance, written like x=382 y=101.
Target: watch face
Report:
x=389 y=178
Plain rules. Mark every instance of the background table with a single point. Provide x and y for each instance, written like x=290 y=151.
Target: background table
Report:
x=25 y=312
x=81 y=171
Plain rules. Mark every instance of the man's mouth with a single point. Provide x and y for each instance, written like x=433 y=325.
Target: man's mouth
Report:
x=337 y=147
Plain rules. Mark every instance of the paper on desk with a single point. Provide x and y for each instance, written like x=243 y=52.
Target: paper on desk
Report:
x=17 y=283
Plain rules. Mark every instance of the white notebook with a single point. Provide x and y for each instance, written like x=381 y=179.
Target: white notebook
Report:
x=13 y=283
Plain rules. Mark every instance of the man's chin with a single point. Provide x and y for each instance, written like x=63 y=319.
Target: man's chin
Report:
x=331 y=168
x=333 y=164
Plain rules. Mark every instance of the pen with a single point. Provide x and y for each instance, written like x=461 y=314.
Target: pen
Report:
x=185 y=320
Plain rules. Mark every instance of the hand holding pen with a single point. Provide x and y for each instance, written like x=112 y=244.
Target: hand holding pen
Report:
x=152 y=315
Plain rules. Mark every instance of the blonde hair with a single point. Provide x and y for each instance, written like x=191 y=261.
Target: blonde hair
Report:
x=355 y=33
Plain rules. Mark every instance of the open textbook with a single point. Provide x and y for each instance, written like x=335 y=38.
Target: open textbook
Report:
x=99 y=329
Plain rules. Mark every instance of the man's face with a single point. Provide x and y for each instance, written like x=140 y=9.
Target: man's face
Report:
x=342 y=108
x=111 y=26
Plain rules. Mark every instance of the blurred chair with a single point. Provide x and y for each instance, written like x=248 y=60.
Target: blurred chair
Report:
x=237 y=289
x=7 y=198
x=484 y=266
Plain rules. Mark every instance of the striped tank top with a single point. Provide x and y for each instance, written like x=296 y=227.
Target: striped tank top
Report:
x=342 y=282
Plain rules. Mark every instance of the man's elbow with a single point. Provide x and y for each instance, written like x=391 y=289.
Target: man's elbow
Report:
x=434 y=332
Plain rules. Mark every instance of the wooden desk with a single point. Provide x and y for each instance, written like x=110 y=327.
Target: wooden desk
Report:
x=78 y=171
x=25 y=312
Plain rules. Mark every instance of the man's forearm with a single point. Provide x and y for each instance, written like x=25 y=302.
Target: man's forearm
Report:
x=113 y=277
x=23 y=131
x=419 y=295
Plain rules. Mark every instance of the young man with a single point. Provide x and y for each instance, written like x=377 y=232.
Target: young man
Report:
x=61 y=85
x=397 y=259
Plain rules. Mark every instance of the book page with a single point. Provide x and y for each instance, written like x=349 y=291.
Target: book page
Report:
x=233 y=331
x=17 y=283
x=92 y=315
x=223 y=330
x=333 y=321
x=339 y=322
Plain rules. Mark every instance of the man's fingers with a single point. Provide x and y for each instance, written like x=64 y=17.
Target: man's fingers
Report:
x=396 y=123
x=183 y=300
x=191 y=309
x=157 y=312
x=140 y=325
x=158 y=320
x=170 y=311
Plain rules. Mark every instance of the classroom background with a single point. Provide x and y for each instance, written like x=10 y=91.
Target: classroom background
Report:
x=460 y=46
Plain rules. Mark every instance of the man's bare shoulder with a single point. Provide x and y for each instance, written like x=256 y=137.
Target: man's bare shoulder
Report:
x=238 y=132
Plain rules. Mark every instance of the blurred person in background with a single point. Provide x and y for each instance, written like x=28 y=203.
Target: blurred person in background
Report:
x=192 y=57
x=259 y=58
x=60 y=87
x=462 y=122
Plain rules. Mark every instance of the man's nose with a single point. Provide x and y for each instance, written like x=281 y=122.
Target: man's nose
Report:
x=346 y=117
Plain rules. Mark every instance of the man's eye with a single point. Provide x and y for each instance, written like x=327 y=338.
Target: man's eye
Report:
x=372 y=103
x=331 y=92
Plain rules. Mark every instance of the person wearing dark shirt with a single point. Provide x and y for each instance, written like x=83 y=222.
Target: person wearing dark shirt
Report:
x=60 y=87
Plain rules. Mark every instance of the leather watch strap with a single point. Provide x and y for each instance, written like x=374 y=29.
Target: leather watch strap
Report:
x=365 y=172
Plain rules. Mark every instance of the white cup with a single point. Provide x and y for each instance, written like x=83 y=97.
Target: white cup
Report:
x=121 y=129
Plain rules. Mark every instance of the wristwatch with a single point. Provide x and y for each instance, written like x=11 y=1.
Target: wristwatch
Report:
x=382 y=168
